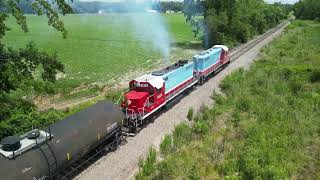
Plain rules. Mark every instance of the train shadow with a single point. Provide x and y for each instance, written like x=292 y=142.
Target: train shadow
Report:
x=79 y=166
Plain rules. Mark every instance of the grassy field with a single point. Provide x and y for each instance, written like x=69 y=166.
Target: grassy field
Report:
x=99 y=48
x=267 y=126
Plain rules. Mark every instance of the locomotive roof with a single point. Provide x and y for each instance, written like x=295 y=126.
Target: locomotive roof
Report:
x=221 y=46
x=155 y=81
x=155 y=78
x=170 y=68
x=208 y=52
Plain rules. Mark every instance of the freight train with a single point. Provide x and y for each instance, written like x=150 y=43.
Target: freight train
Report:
x=44 y=154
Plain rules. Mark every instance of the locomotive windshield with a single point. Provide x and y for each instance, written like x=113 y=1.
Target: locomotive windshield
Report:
x=139 y=87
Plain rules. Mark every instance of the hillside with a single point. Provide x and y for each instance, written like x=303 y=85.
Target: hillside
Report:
x=264 y=126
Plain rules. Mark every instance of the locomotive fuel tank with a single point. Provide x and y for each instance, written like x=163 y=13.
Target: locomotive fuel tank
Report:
x=39 y=154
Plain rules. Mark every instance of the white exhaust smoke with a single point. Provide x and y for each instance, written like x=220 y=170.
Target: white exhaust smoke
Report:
x=148 y=25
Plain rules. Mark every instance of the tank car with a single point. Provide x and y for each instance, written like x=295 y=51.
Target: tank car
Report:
x=41 y=154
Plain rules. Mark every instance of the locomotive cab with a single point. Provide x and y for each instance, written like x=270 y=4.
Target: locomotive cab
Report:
x=145 y=95
x=224 y=57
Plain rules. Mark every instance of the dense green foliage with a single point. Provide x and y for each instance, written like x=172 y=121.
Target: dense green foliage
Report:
x=229 y=21
x=17 y=72
x=165 y=6
x=267 y=126
x=26 y=68
x=106 y=7
x=307 y=9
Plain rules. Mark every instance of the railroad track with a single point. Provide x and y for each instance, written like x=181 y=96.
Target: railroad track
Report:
x=80 y=165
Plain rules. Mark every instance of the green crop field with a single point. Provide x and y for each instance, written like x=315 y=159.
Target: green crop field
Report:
x=99 y=47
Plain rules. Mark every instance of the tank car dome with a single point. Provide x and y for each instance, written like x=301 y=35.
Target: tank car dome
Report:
x=34 y=134
x=11 y=143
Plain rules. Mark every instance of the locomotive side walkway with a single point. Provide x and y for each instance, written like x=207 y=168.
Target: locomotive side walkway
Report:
x=123 y=163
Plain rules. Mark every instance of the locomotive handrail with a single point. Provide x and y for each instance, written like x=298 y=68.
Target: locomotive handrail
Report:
x=133 y=114
x=141 y=113
x=147 y=101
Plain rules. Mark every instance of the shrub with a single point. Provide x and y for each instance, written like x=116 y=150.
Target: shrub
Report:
x=182 y=134
x=190 y=114
x=315 y=76
x=218 y=98
x=193 y=174
x=166 y=169
x=200 y=128
x=147 y=167
x=166 y=145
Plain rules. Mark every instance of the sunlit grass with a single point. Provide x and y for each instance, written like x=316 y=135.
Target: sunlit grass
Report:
x=267 y=124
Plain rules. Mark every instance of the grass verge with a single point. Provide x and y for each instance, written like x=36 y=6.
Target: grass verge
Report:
x=267 y=126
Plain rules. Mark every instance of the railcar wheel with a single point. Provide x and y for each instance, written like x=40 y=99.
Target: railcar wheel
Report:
x=133 y=126
x=116 y=142
x=201 y=80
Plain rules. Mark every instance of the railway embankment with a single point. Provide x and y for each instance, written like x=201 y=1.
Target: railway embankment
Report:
x=266 y=125
x=123 y=163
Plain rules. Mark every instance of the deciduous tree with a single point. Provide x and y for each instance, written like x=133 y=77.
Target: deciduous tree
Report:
x=18 y=66
x=230 y=21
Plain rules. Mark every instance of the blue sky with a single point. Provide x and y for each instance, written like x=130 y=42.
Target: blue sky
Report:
x=270 y=1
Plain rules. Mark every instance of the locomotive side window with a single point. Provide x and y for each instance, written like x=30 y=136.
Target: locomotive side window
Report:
x=151 y=90
x=131 y=86
x=159 y=90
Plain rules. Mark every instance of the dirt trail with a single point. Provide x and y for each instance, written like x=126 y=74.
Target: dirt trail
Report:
x=123 y=163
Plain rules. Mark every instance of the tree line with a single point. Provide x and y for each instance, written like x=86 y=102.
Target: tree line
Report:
x=165 y=6
x=232 y=21
x=19 y=69
x=307 y=9
x=108 y=7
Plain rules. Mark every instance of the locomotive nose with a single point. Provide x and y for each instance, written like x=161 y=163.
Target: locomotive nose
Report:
x=128 y=102
x=135 y=99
